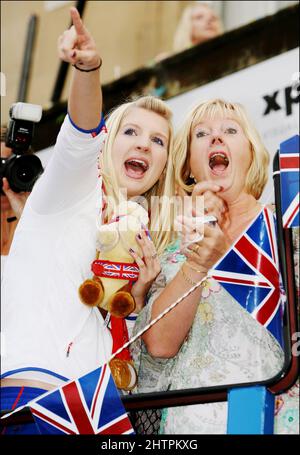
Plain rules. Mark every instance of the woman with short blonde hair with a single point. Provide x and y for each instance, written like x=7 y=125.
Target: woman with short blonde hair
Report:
x=257 y=175
x=210 y=338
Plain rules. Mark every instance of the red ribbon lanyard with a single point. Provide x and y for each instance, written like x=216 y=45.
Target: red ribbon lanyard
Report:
x=120 y=337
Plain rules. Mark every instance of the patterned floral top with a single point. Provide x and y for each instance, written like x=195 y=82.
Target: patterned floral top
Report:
x=225 y=345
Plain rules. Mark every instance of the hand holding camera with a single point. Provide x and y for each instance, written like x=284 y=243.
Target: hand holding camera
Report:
x=16 y=201
x=21 y=168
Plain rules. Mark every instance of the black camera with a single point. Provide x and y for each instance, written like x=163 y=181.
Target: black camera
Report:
x=22 y=168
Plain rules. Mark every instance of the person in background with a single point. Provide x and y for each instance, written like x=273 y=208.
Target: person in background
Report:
x=198 y=23
x=12 y=205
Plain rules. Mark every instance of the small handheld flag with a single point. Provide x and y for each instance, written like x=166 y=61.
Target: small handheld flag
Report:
x=289 y=181
x=88 y=405
x=250 y=273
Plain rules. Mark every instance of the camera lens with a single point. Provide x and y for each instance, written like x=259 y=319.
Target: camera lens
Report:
x=22 y=172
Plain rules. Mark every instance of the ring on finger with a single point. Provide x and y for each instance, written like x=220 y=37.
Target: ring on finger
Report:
x=154 y=256
x=195 y=250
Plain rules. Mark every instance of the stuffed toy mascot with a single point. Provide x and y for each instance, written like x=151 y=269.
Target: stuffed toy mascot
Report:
x=114 y=272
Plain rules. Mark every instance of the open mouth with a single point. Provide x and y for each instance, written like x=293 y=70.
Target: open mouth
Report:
x=218 y=162
x=136 y=168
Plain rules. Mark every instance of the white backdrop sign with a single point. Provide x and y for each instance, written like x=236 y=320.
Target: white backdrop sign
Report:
x=270 y=93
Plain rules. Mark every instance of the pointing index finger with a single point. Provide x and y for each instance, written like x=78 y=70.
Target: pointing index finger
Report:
x=77 y=22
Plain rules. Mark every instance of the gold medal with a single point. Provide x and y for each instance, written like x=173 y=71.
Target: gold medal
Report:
x=124 y=374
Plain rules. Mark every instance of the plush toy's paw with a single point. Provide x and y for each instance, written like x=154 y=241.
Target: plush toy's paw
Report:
x=121 y=304
x=91 y=292
x=124 y=374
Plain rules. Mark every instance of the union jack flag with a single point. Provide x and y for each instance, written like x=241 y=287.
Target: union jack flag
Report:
x=88 y=405
x=131 y=272
x=250 y=273
x=289 y=181
x=118 y=270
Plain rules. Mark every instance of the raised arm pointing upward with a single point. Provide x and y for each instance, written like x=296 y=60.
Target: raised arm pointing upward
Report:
x=77 y=46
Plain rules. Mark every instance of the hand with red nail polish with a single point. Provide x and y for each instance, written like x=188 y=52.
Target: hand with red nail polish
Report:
x=149 y=265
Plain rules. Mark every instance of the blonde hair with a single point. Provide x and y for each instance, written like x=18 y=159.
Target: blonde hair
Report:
x=182 y=38
x=163 y=187
x=257 y=175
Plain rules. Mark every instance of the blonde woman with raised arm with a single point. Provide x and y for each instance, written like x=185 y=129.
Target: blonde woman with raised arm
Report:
x=49 y=335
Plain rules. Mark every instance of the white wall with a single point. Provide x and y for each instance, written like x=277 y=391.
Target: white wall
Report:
x=235 y=14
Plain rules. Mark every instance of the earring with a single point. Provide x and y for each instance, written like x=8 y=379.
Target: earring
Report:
x=193 y=178
x=190 y=180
